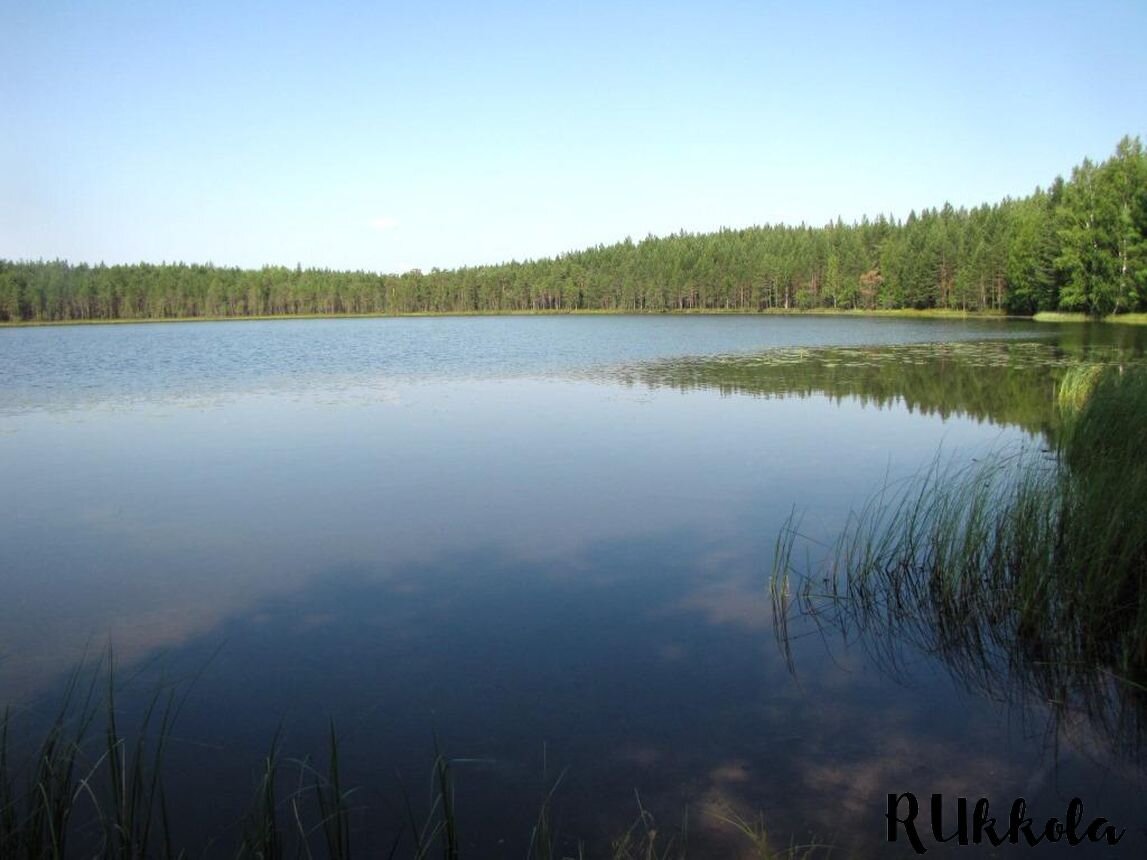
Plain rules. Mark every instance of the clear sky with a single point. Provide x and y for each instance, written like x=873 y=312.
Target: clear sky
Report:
x=392 y=135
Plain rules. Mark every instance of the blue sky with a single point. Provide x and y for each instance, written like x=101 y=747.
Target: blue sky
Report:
x=387 y=136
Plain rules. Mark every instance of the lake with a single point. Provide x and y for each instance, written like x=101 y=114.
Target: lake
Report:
x=541 y=545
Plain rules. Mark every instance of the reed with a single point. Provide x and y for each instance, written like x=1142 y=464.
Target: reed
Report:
x=91 y=786
x=757 y=836
x=1075 y=388
x=1031 y=565
x=83 y=792
x=644 y=841
x=39 y=792
x=333 y=803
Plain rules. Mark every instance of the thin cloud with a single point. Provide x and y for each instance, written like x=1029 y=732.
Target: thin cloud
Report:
x=383 y=223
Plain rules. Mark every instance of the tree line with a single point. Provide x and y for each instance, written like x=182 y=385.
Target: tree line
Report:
x=1079 y=245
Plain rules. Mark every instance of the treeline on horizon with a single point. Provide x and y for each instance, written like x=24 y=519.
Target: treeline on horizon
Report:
x=1079 y=245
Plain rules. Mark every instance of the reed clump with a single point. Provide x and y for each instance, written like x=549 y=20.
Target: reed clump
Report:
x=89 y=786
x=1031 y=566
x=1076 y=387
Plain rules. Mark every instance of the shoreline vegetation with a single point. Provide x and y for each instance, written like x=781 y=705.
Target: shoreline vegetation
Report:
x=83 y=783
x=1078 y=246
x=1064 y=317
x=1028 y=568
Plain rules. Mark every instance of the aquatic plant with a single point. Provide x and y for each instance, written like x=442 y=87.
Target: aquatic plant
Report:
x=1030 y=567
x=1075 y=388
x=113 y=788
x=82 y=791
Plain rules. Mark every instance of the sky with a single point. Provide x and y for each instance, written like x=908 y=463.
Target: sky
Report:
x=387 y=136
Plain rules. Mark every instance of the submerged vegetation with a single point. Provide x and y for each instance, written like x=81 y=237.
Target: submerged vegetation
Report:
x=1032 y=566
x=1079 y=245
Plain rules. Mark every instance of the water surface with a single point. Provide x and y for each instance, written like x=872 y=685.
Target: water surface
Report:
x=545 y=540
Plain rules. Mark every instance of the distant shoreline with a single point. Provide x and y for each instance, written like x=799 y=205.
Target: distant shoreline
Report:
x=931 y=313
x=902 y=313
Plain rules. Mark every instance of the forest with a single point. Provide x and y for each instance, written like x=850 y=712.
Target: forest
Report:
x=1078 y=245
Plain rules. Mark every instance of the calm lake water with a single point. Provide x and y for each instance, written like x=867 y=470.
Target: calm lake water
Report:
x=546 y=541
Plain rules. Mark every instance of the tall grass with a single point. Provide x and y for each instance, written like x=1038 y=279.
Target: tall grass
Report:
x=1076 y=387
x=89 y=787
x=1061 y=316
x=1127 y=319
x=38 y=796
x=1023 y=565
x=81 y=785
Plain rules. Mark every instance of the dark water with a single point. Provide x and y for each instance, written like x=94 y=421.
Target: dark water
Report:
x=546 y=541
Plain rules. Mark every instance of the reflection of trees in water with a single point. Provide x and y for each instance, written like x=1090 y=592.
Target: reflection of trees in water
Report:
x=1004 y=382
x=1010 y=572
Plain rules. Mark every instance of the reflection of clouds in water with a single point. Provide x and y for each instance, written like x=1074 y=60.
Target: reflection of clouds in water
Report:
x=727 y=587
x=864 y=735
x=494 y=651
x=858 y=786
x=212 y=513
x=171 y=580
x=741 y=603
x=838 y=797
